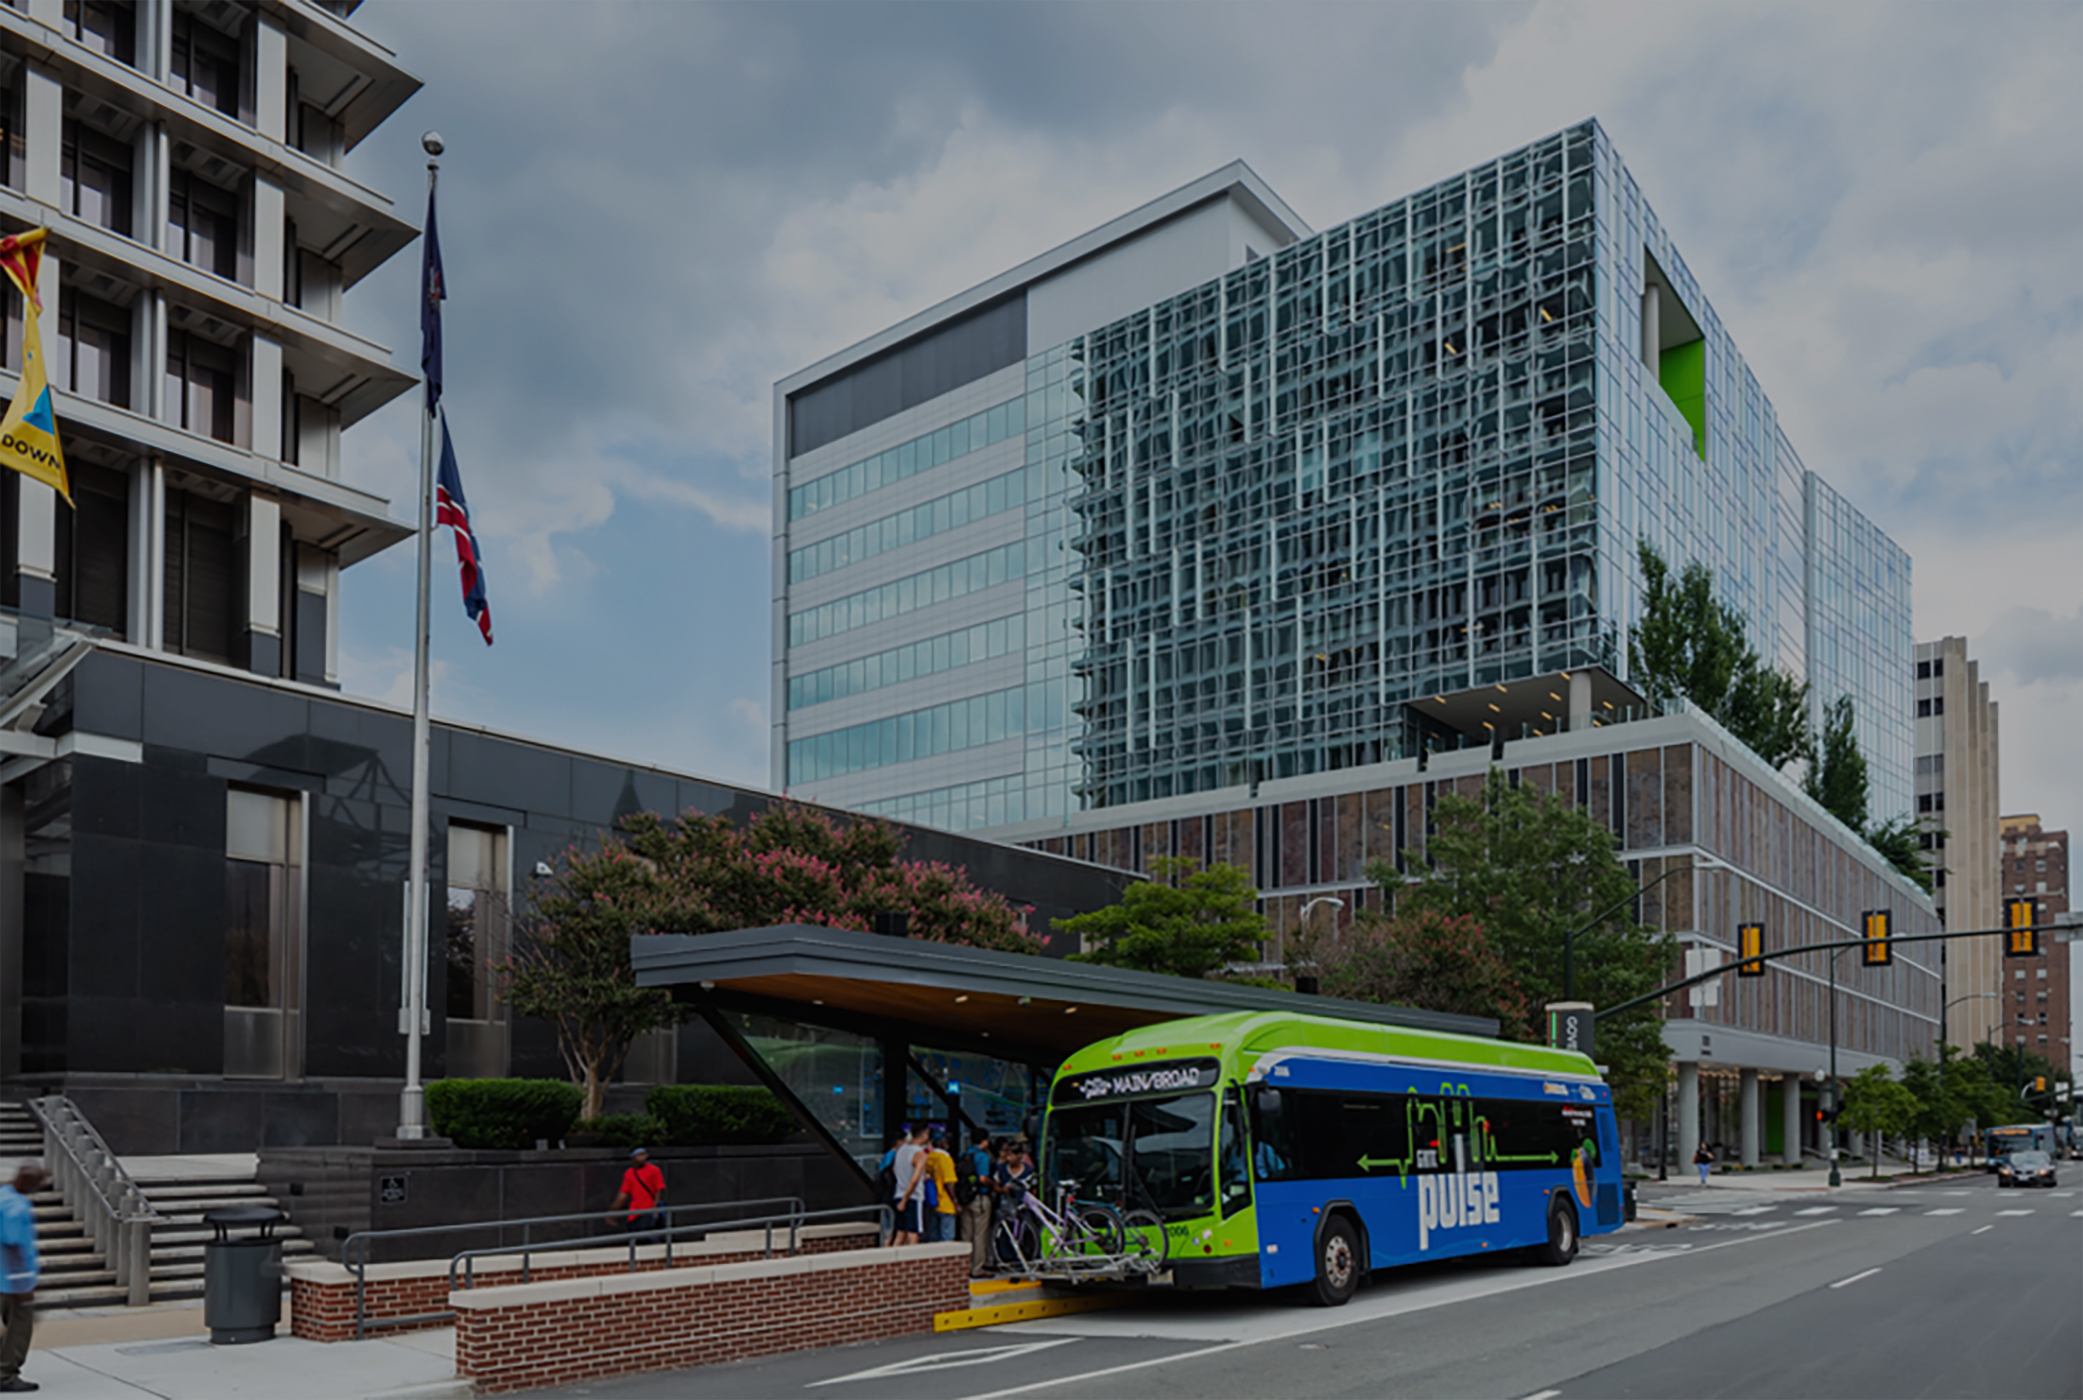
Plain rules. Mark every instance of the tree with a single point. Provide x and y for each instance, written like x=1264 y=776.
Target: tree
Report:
x=1184 y=920
x=1528 y=868
x=1424 y=958
x=1837 y=778
x=1896 y=841
x=1688 y=644
x=705 y=874
x=1874 y=1103
x=1939 y=1112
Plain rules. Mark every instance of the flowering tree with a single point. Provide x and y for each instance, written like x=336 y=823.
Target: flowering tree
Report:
x=706 y=874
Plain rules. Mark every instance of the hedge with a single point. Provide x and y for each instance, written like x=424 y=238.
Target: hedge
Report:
x=495 y=1113
x=618 y=1130
x=705 y=1115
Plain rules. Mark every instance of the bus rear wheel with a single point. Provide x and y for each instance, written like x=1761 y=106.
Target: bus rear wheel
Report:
x=1337 y=1263
x=1562 y=1235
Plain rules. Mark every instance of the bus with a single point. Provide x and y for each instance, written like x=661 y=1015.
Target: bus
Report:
x=2019 y=1137
x=1285 y=1149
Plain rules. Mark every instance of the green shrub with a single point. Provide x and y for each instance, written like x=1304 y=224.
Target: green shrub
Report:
x=705 y=1115
x=501 y=1112
x=617 y=1130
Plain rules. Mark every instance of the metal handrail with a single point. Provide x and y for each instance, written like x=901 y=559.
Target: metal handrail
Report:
x=354 y=1250
x=114 y=1210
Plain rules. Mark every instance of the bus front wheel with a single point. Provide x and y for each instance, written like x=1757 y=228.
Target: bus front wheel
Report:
x=1337 y=1262
x=1562 y=1234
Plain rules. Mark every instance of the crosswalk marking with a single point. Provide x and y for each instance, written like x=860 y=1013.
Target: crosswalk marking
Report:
x=1945 y=1210
x=2078 y=1213
x=1816 y=1210
x=2063 y=1195
x=1956 y=1193
x=2014 y=1212
x=1754 y=1210
x=1881 y=1210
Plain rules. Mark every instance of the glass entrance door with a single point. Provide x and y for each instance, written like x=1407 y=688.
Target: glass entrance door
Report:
x=263 y=939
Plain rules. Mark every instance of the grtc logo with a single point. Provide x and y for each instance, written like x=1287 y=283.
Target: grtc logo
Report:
x=1453 y=1199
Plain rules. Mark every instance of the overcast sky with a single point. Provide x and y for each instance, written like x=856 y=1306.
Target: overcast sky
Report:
x=650 y=212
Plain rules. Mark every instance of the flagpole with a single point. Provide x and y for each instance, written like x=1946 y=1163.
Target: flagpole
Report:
x=411 y=1106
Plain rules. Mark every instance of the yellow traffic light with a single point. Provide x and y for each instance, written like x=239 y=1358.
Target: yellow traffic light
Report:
x=2039 y=1083
x=1877 y=953
x=1750 y=944
x=2023 y=940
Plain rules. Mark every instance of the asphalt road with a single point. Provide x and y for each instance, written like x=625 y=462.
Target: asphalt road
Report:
x=1956 y=1289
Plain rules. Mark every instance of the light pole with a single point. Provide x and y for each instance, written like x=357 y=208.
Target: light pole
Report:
x=1302 y=927
x=1971 y=996
x=1569 y=940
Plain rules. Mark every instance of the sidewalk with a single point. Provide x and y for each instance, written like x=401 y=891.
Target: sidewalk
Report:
x=125 y=1354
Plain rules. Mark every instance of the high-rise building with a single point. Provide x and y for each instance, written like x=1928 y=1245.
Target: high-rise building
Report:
x=1957 y=812
x=1203 y=499
x=2037 y=991
x=187 y=161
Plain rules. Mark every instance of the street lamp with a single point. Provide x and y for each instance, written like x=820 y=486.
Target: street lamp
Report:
x=1309 y=983
x=1569 y=940
x=1971 y=996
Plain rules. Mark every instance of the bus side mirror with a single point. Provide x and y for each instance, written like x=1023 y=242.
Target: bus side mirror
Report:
x=1266 y=1103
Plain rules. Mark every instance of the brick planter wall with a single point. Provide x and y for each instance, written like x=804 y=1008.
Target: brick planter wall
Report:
x=321 y=1295
x=525 y=1336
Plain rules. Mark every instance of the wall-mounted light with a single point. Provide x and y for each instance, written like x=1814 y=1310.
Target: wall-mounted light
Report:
x=542 y=870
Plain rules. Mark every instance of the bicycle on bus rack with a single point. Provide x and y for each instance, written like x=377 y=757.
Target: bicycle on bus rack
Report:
x=1077 y=1240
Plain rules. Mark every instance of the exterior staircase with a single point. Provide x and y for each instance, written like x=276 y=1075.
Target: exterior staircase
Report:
x=75 y=1274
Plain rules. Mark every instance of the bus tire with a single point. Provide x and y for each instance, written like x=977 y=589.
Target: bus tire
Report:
x=1563 y=1236
x=1338 y=1265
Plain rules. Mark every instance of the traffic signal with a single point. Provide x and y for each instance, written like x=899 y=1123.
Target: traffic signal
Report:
x=1877 y=953
x=1750 y=944
x=2039 y=1083
x=2023 y=940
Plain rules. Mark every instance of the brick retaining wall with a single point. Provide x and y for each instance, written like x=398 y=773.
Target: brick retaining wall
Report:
x=529 y=1335
x=321 y=1294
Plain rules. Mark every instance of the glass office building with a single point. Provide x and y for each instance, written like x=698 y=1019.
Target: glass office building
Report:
x=1244 y=529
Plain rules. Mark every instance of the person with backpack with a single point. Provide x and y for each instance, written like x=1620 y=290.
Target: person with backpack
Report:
x=973 y=1194
x=941 y=1205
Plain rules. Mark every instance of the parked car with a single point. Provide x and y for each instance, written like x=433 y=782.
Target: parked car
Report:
x=2026 y=1169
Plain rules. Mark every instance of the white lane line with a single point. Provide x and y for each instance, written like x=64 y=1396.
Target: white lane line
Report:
x=1304 y=1330
x=1754 y=1210
x=1881 y=1210
x=2063 y=1195
x=1983 y=1231
x=1815 y=1210
x=1945 y=1210
x=1855 y=1278
x=2077 y=1213
x=1956 y=1193
x=1544 y=1395
x=2014 y=1212
x=949 y=1360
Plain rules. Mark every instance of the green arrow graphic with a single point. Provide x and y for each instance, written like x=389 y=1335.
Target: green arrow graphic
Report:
x=1368 y=1164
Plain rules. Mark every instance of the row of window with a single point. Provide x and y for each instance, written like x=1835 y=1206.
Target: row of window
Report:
x=999 y=637
x=922 y=521
x=964 y=576
x=937 y=729
x=1927 y=708
x=940 y=446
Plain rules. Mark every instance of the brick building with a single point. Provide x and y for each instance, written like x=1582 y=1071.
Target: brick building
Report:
x=2038 y=993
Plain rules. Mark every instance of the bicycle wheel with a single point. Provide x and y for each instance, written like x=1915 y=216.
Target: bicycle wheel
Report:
x=1013 y=1243
x=1095 y=1228
x=1144 y=1240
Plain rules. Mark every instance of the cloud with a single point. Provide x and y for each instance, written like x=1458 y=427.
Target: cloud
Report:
x=2031 y=644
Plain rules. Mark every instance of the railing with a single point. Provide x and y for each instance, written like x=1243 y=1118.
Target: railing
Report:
x=794 y=1221
x=355 y=1249
x=115 y=1213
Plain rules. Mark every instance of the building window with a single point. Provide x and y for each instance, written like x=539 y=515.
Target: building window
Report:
x=93 y=549
x=94 y=177
x=199 y=381
x=106 y=26
x=263 y=902
x=201 y=564
x=1923 y=709
x=1923 y=670
x=203 y=224
x=205 y=63
x=93 y=347
x=1938 y=668
x=477 y=929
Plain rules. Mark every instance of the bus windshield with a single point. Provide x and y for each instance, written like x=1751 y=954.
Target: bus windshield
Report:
x=1157 y=1154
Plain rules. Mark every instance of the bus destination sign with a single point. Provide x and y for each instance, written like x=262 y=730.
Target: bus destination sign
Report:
x=1163 y=1077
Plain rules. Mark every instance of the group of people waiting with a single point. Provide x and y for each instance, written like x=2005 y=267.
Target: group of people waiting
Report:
x=940 y=1194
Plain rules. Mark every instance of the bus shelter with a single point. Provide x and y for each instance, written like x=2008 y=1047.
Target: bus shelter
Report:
x=860 y=1033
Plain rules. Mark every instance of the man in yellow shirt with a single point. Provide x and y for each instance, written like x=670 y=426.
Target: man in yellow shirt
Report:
x=940 y=1169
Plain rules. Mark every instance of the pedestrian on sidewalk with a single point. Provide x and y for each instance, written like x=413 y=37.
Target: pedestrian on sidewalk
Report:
x=18 y=1274
x=973 y=1191
x=940 y=1166
x=908 y=1172
x=1703 y=1158
x=643 y=1191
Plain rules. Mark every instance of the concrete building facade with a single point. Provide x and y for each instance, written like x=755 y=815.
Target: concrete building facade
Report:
x=1958 y=811
x=2038 y=992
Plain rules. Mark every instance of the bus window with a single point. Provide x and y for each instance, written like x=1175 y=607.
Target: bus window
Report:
x=1087 y=1147
x=1174 y=1151
x=1236 y=1170
x=1272 y=1135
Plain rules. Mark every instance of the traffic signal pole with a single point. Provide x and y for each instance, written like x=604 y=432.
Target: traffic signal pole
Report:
x=1836 y=1178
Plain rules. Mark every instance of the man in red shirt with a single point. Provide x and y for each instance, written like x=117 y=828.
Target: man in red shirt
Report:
x=643 y=1188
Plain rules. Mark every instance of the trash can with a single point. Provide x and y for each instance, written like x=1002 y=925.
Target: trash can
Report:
x=242 y=1275
x=1631 y=1203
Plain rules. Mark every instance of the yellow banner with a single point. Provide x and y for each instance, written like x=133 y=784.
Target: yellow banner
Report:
x=29 y=433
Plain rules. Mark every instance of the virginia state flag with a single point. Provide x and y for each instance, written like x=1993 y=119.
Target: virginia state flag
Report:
x=29 y=434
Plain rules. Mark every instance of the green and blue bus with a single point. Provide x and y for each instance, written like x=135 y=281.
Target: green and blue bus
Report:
x=1300 y=1150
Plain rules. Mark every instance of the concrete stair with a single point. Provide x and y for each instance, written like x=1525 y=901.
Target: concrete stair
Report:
x=75 y=1273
